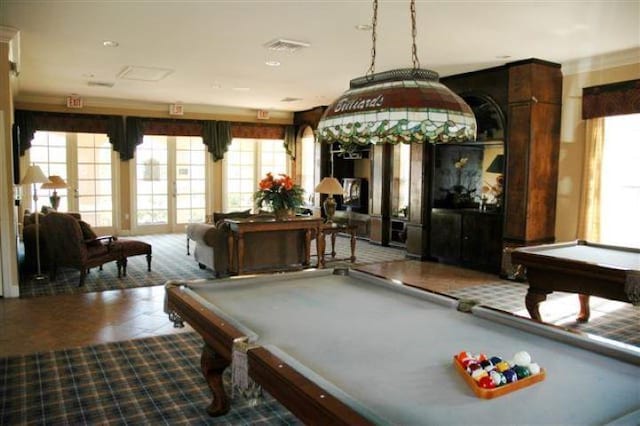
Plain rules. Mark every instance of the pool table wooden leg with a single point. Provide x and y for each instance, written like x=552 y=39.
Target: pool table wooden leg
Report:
x=585 y=312
x=532 y=301
x=212 y=367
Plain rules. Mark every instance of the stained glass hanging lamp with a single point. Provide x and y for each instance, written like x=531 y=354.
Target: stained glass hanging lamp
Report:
x=398 y=106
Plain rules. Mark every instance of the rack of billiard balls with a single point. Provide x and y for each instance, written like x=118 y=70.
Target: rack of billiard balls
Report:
x=490 y=377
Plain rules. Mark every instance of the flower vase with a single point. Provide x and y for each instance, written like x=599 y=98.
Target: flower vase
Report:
x=283 y=214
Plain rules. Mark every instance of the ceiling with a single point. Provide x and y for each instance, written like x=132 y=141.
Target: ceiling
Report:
x=213 y=48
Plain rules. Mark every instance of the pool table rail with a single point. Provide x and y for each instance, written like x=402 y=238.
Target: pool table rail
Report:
x=308 y=401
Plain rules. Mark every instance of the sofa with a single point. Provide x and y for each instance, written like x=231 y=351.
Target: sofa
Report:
x=262 y=250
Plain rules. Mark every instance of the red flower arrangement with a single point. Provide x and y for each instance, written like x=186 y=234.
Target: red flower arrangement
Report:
x=278 y=193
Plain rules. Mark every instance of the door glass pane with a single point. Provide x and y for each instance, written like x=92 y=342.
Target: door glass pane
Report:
x=49 y=152
x=95 y=179
x=151 y=181
x=190 y=179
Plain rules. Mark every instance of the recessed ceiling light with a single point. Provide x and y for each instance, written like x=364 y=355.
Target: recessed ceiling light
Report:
x=216 y=86
x=241 y=89
x=88 y=75
x=110 y=43
x=503 y=56
x=363 y=27
x=272 y=63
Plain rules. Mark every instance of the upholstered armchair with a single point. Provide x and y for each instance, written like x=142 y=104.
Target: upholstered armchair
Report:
x=68 y=246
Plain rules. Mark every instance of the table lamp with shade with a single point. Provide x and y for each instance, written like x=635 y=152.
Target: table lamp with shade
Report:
x=331 y=187
x=55 y=182
x=34 y=176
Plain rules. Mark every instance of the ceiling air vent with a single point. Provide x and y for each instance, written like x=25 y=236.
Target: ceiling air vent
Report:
x=144 y=73
x=288 y=99
x=100 y=84
x=283 y=45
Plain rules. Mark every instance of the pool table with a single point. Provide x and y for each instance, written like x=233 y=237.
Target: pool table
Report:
x=346 y=347
x=579 y=267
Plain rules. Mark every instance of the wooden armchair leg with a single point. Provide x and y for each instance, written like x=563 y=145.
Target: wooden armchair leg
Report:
x=83 y=275
x=148 y=263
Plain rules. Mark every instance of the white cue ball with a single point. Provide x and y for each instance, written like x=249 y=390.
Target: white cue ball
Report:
x=522 y=358
x=534 y=368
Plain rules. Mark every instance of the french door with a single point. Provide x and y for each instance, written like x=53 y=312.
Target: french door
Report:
x=170 y=189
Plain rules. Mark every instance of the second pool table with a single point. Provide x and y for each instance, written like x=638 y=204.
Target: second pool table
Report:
x=579 y=267
x=358 y=349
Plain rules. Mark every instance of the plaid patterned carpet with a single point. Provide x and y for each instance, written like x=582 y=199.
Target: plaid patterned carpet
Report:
x=143 y=382
x=170 y=261
x=614 y=320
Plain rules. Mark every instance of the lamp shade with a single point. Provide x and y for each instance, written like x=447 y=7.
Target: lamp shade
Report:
x=405 y=105
x=329 y=185
x=55 y=182
x=34 y=175
x=497 y=165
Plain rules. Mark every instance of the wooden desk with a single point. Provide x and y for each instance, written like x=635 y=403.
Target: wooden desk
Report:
x=239 y=227
x=333 y=229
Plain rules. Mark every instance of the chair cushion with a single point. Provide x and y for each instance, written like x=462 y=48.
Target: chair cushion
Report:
x=217 y=217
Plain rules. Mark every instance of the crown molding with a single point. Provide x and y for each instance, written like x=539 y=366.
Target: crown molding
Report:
x=7 y=34
x=599 y=62
x=11 y=36
x=97 y=105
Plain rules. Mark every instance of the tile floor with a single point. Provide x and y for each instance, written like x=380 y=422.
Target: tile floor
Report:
x=64 y=321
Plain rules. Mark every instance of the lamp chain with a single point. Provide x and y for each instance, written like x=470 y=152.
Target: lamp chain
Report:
x=414 y=49
x=374 y=22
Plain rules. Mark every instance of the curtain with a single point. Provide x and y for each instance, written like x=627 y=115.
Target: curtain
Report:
x=116 y=133
x=25 y=122
x=589 y=209
x=134 y=134
x=290 y=141
x=216 y=135
x=611 y=99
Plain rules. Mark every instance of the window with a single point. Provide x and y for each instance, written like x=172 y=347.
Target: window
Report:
x=190 y=179
x=245 y=163
x=49 y=151
x=620 y=199
x=308 y=164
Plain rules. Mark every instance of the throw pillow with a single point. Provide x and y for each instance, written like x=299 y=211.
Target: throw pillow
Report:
x=87 y=232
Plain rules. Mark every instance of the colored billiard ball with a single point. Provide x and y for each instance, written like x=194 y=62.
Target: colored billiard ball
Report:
x=478 y=374
x=473 y=366
x=510 y=375
x=503 y=366
x=462 y=356
x=486 y=383
x=487 y=365
x=522 y=358
x=521 y=371
x=495 y=360
x=497 y=378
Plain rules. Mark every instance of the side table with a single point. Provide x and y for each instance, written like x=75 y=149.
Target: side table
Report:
x=333 y=229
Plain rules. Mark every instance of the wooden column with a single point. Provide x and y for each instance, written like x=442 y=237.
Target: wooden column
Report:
x=418 y=224
x=535 y=102
x=380 y=203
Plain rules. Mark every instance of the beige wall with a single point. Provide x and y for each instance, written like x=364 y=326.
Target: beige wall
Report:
x=572 y=142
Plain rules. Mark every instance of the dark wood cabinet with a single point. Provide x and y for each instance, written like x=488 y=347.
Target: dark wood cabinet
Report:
x=467 y=237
